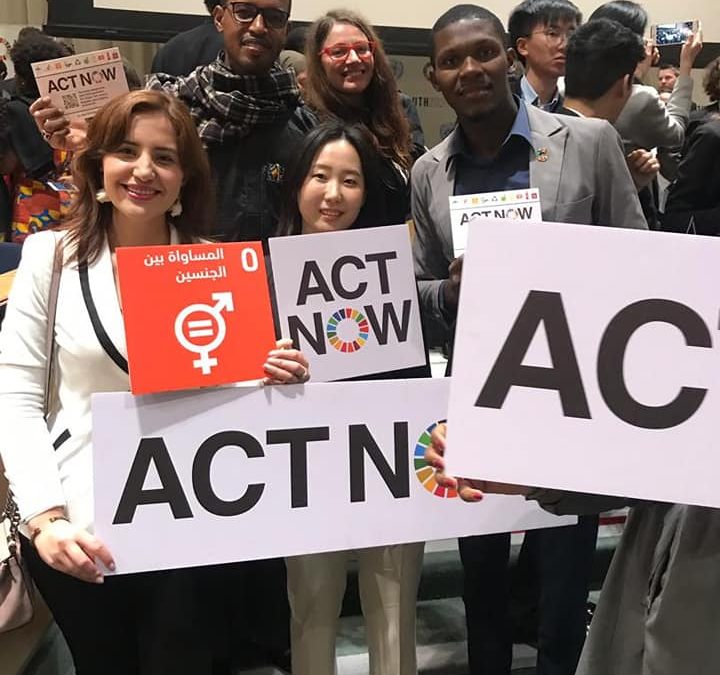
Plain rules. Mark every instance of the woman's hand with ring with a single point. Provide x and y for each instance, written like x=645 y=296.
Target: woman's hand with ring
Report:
x=286 y=365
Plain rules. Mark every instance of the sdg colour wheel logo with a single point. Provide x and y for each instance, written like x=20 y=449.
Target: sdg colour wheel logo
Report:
x=424 y=472
x=347 y=330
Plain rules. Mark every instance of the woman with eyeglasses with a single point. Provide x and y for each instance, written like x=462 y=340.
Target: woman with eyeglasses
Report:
x=349 y=78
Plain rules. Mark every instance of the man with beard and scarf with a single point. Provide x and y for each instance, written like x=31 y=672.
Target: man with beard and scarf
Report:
x=247 y=110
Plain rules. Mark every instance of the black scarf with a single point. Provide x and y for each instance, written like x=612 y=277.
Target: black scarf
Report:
x=227 y=106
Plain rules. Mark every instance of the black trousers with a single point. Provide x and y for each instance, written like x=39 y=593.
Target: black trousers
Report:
x=562 y=559
x=140 y=624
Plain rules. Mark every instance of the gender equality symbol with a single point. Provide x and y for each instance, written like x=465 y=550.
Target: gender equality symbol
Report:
x=200 y=329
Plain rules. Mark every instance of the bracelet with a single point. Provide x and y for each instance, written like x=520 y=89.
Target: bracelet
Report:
x=37 y=530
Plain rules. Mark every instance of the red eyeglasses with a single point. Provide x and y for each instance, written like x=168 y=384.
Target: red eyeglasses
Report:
x=341 y=50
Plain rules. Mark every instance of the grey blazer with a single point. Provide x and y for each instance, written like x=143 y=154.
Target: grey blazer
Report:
x=658 y=611
x=646 y=122
x=585 y=180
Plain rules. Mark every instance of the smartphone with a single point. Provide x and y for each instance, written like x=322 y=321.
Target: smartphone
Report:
x=664 y=34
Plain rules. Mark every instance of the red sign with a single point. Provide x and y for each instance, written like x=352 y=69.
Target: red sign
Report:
x=196 y=315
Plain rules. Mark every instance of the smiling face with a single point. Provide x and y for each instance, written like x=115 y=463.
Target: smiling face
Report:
x=252 y=47
x=333 y=192
x=143 y=177
x=545 y=48
x=350 y=75
x=470 y=68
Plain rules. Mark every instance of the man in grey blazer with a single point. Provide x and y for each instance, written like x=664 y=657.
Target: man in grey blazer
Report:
x=578 y=165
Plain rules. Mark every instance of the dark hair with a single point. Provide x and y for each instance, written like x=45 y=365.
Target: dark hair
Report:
x=532 y=13
x=599 y=53
x=669 y=66
x=296 y=38
x=3 y=70
x=629 y=14
x=131 y=75
x=212 y=4
x=381 y=111
x=711 y=79
x=88 y=221
x=30 y=47
x=290 y=221
x=466 y=13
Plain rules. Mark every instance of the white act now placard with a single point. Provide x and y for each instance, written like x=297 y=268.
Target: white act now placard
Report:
x=349 y=300
x=586 y=359
x=245 y=473
x=510 y=204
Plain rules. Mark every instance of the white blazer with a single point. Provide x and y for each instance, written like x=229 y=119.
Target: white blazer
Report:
x=50 y=465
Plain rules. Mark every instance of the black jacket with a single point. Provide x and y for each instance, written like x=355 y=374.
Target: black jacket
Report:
x=694 y=196
x=186 y=51
x=248 y=175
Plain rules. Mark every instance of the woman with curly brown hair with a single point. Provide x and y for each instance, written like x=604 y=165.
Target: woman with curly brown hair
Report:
x=349 y=78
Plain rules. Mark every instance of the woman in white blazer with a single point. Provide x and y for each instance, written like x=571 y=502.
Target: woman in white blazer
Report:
x=143 y=179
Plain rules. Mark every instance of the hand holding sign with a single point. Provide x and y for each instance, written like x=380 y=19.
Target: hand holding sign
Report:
x=81 y=84
x=286 y=365
x=469 y=490
x=57 y=130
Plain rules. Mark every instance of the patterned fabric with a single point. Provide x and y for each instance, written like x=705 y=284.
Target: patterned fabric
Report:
x=227 y=106
x=40 y=204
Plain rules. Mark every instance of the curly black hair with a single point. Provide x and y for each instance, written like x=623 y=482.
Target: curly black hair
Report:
x=30 y=47
x=711 y=80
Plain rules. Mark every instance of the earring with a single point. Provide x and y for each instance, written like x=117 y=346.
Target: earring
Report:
x=102 y=197
x=176 y=208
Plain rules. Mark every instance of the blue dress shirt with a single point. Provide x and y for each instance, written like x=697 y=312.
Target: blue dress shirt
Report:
x=508 y=170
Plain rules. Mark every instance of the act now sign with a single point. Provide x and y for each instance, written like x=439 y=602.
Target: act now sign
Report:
x=81 y=84
x=586 y=359
x=510 y=204
x=245 y=473
x=349 y=301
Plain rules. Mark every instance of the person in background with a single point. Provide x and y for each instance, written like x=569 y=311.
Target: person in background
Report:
x=328 y=190
x=35 y=174
x=711 y=85
x=667 y=77
x=539 y=32
x=199 y=46
x=349 y=78
x=693 y=203
x=646 y=122
x=503 y=143
x=601 y=59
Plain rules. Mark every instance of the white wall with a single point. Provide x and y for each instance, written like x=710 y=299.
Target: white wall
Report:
x=414 y=14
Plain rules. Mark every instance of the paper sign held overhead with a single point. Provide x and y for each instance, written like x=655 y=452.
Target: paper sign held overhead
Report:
x=81 y=84
x=511 y=204
x=195 y=315
x=349 y=300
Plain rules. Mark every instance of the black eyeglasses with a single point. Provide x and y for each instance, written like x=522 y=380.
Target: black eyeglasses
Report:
x=245 y=12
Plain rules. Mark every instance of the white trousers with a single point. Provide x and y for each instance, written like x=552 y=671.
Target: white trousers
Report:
x=388 y=577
